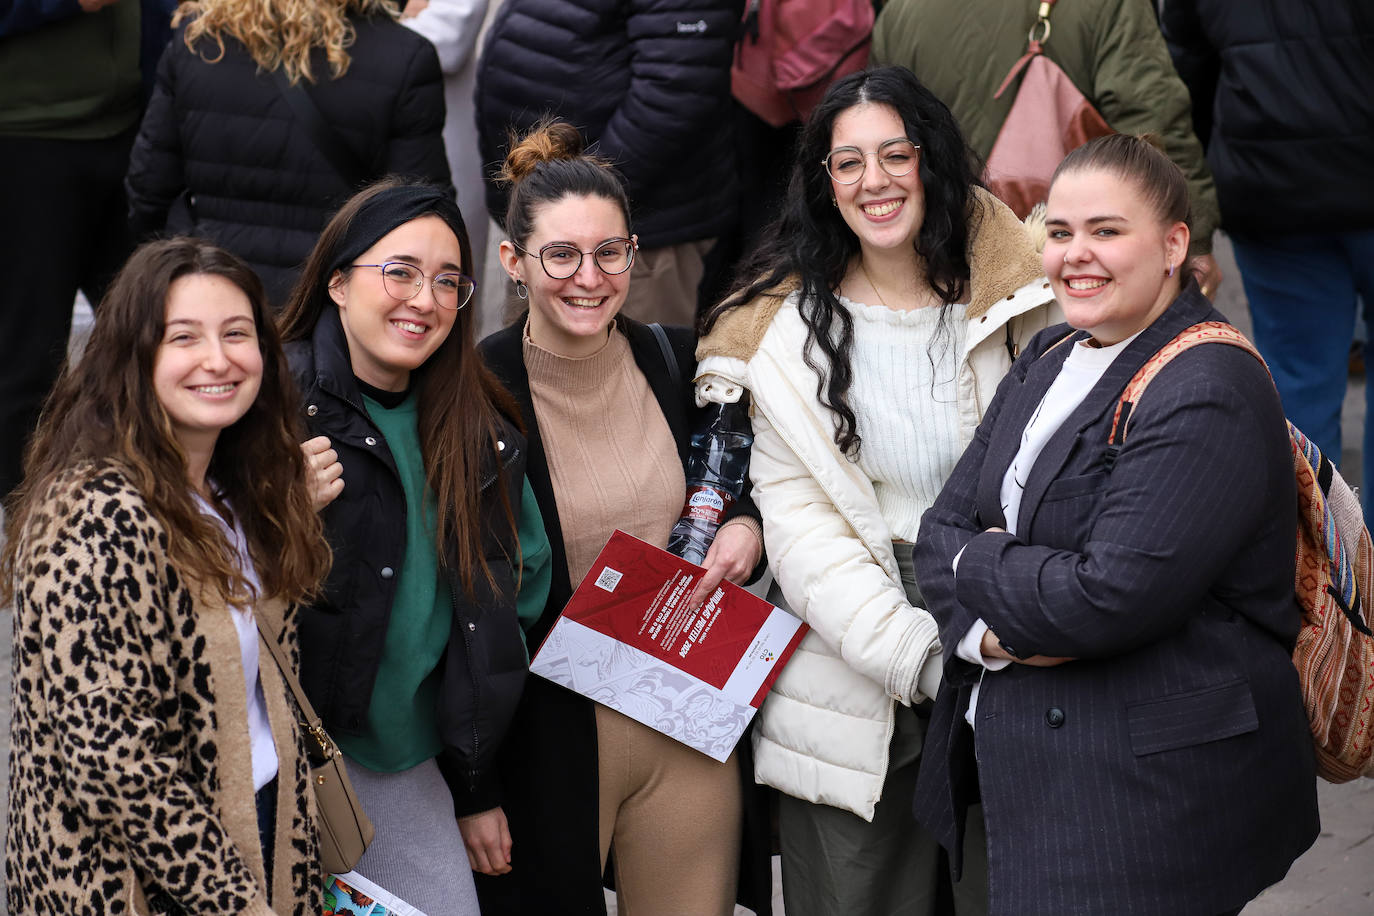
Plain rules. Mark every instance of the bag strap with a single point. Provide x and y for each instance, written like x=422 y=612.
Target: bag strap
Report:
x=310 y=722
x=327 y=140
x=1201 y=333
x=1034 y=46
x=669 y=356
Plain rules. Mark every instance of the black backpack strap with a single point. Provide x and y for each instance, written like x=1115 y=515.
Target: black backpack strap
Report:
x=327 y=140
x=669 y=356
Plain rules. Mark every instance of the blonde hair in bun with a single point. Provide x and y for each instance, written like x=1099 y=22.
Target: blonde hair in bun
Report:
x=549 y=163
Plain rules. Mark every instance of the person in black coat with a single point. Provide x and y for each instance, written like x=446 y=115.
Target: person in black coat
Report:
x=1282 y=103
x=648 y=84
x=608 y=417
x=225 y=151
x=413 y=656
x=1118 y=628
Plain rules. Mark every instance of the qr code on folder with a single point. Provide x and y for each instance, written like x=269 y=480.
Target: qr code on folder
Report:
x=609 y=579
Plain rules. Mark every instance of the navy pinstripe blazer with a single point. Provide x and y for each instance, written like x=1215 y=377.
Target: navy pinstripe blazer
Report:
x=1169 y=769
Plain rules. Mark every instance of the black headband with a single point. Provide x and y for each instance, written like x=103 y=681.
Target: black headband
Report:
x=392 y=208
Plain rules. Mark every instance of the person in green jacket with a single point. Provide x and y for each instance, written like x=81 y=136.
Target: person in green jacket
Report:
x=1111 y=50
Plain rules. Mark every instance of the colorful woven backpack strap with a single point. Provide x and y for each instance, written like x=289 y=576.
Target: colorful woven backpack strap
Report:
x=1201 y=333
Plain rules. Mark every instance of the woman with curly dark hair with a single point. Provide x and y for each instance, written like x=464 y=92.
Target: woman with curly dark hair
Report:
x=871 y=330
x=156 y=761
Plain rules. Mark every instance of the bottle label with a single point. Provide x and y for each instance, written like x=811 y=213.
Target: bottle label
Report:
x=706 y=503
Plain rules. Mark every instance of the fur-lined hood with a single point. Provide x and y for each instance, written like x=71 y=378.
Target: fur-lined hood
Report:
x=1002 y=258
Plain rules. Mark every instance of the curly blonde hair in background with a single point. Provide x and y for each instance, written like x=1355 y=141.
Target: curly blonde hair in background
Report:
x=280 y=33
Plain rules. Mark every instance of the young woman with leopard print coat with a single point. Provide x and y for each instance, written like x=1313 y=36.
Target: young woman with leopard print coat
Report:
x=156 y=765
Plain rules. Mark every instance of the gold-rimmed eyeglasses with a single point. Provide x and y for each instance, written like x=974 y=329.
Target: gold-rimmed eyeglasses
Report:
x=561 y=260
x=404 y=281
x=897 y=157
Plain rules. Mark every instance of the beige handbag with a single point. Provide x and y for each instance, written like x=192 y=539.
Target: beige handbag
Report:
x=345 y=831
x=1049 y=119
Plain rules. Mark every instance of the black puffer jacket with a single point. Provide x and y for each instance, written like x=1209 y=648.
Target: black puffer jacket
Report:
x=342 y=635
x=258 y=184
x=1283 y=96
x=646 y=81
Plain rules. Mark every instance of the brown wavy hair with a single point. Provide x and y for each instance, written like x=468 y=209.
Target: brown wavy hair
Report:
x=104 y=412
x=459 y=400
x=281 y=33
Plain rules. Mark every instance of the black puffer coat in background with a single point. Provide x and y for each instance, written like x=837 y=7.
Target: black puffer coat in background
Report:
x=259 y=186
x=1283 y=98
x=646 y=81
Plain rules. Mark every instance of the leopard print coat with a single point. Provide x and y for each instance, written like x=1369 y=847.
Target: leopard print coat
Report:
x=131 y=785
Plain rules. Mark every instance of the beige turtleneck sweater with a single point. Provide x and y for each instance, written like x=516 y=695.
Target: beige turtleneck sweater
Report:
x=612 y=459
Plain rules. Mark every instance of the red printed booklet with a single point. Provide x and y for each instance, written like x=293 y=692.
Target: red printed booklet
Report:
x=627 y=640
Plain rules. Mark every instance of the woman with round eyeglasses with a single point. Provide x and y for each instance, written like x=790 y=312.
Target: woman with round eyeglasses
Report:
x=413 y=656
x=871 y=329
x=608 y=417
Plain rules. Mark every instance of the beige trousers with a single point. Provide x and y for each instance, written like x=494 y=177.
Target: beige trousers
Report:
x=671 y=817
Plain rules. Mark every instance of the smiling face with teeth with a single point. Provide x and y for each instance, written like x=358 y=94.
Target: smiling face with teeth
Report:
x=388 y=338
x=884 y=212
x=571 y=317
x=208 y=368
x=1108 y=254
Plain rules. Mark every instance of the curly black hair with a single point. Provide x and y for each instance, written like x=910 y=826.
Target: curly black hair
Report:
x=811 y=241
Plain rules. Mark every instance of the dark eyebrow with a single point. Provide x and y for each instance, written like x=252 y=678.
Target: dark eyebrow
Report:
x=1055 y=221
x=445 y=268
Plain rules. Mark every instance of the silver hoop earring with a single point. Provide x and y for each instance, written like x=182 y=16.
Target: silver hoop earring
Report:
x=1172 y=268
x=521 y=290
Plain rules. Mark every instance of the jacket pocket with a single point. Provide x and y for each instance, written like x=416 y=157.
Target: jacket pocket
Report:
x=1069 y=487
x=1195 y=717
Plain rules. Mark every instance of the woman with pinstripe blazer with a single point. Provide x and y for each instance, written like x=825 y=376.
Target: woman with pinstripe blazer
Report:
x=1118 y=622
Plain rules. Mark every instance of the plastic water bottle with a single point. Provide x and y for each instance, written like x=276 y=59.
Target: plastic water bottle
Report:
x=716 y=467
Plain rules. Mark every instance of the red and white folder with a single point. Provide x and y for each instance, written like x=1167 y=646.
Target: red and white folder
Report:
x=627 y=640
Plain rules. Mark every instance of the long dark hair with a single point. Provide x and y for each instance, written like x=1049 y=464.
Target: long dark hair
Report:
x=104 y=412
x=460 y=402
x=812 y=242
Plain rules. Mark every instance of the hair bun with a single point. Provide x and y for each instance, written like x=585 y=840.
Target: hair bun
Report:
x=547 y=141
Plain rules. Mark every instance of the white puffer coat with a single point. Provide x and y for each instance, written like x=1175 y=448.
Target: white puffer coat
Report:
x=823 y=732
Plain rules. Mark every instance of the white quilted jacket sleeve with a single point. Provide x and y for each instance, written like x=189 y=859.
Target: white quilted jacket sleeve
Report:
x=832 y=580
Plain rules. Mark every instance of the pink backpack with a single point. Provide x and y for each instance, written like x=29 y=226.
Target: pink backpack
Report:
x=1048 y=119
x=790 y=51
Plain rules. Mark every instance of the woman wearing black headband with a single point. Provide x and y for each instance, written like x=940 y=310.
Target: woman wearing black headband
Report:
x=414 y=657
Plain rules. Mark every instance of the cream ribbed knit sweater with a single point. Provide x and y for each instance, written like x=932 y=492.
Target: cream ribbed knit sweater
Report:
x=905 y=401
